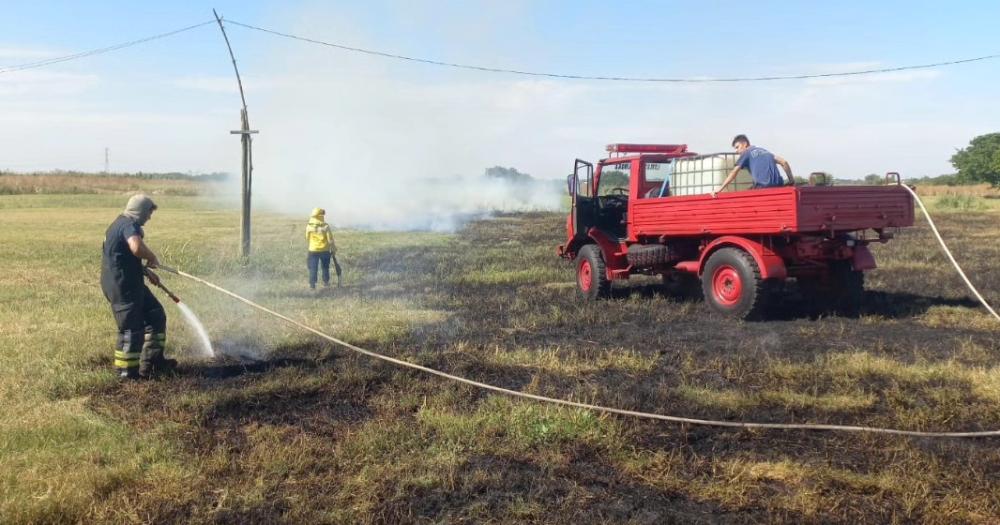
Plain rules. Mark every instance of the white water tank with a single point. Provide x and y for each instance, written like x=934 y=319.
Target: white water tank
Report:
x=705 y=173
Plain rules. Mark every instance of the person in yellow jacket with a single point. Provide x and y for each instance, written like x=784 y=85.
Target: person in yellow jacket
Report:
x=321 y=247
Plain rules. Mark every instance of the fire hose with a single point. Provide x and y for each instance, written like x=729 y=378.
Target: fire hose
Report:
x=948 y=253
x=599 y=408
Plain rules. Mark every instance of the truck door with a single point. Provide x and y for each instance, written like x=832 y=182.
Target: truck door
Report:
x=581 y=192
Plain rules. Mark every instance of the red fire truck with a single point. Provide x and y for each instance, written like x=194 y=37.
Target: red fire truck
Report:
x=738 y=248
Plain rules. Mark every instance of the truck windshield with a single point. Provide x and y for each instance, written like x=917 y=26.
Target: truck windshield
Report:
x=613 y=177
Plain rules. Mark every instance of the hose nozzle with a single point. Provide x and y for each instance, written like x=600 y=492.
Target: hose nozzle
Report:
x=170 y=294
x=158 y=284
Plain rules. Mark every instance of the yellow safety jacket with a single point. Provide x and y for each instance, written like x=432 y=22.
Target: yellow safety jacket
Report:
x=319 y=235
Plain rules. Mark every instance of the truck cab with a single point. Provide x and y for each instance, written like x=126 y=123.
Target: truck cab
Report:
x=648 y=209
x=601 y=197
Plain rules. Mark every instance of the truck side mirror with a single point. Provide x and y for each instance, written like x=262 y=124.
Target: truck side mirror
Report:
x=571 y=183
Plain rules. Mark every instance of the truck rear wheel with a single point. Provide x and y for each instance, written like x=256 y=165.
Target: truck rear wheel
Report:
x=848 y=288
x=591 y=276
x=840 y=292
x=732 y=284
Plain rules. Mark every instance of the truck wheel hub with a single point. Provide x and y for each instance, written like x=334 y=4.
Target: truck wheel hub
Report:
x=727 y=285
x=585 y=276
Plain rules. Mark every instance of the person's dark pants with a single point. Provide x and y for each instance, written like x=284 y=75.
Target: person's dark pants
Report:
x=142 y=330
x=315 y=260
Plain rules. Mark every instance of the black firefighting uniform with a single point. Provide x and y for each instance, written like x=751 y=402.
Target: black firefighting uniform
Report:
x=142 y=322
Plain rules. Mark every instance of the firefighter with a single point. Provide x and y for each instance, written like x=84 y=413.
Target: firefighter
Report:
x=763 y=166
x=321 y=248
x=141 y=320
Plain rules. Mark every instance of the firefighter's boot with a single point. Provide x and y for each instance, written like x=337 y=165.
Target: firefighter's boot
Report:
x=153 y=362
x=127 y=356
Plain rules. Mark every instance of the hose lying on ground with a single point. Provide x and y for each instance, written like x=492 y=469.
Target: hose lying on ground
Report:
x=948 y=253
x=587 y=406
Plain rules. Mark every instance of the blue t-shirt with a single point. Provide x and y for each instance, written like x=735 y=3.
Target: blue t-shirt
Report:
x=762 y=167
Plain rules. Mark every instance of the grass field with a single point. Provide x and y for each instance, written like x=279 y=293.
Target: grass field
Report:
x=310 y=433
x=77 y=184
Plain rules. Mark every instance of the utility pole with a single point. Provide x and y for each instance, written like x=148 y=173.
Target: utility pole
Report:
x=247 y=143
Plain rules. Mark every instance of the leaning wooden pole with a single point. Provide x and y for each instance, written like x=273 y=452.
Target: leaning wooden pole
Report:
x=246 y=142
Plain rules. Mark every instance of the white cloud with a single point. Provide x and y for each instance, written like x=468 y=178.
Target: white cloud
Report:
x=38 y=83
x=211 y=84
x=119 y=119
x=252 y=84
x=24 y=54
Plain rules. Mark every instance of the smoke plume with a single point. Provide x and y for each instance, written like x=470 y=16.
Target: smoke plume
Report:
x=379 y=145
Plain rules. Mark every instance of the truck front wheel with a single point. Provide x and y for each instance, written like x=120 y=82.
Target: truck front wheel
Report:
x=732 y=284
x=591 y=276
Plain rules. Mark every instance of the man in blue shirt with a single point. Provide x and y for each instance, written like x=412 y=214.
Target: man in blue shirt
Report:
x=763 y=166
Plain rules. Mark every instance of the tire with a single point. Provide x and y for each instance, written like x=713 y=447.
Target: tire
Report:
x=682 y=286
x=647 y=255
x=840 y=292
x=591 y=276
x=848 y=289
x=815 y=296
x=732 y=285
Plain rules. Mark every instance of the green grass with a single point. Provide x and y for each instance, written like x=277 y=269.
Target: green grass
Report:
x=946 y=204
x=960 y=203
x=314 y=433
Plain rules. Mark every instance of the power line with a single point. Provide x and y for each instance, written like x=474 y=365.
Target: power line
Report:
x=619 y=79
x=84 y=54
x=92 y=52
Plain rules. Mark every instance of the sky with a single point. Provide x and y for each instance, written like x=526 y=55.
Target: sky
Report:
x=329 y=115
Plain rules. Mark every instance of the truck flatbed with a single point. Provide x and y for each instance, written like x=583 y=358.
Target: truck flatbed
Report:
x=774 y=211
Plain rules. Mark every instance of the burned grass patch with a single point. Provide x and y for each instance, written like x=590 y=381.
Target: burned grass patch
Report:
x=313 y=433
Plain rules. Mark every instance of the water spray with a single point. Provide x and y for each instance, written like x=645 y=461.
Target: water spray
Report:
x=189 y=315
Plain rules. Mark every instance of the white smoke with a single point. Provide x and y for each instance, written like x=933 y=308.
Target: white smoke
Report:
x=379 y=146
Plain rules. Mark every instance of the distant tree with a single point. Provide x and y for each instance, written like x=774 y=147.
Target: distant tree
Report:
x=980 y=161
x=215 y=176
x=822 y=178
x=507 y=174
x=874 y=179
x=940 y=180
x=209 y=177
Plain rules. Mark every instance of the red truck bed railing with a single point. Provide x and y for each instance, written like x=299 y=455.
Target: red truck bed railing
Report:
x=801 y=209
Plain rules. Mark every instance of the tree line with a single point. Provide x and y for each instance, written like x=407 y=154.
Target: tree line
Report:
x=172 y=175
x=977 y=163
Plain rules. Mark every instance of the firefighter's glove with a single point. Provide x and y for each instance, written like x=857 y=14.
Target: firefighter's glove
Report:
x=153 y=278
